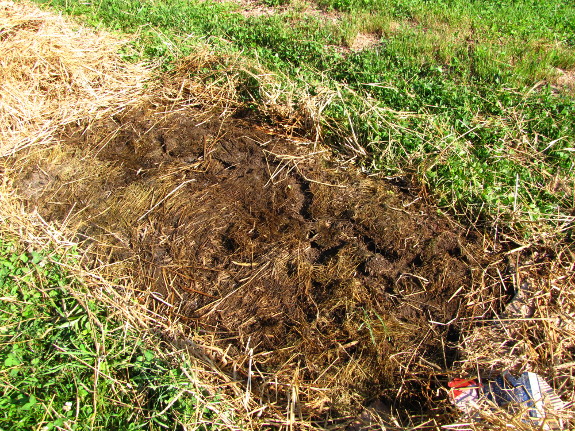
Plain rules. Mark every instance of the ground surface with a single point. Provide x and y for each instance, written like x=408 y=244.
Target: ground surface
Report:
x=315 y=287
x=269 y=245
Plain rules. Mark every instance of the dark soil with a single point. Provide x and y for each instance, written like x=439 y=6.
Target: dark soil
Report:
x=350 y=285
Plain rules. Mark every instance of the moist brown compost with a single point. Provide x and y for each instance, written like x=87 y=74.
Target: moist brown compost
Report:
x=305 y=272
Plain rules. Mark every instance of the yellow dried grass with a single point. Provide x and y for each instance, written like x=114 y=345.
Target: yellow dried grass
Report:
x=53 y=72
x=124 y=302
x=539 y=337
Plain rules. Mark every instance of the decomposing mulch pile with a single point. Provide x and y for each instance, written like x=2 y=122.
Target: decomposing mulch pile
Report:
x=299 y=267
x=315 y=288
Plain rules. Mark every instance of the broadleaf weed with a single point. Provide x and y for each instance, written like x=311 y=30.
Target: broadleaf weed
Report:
x=65 y=364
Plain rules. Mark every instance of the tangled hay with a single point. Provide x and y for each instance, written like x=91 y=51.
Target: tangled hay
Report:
x=53 y=72
x=309 y=289
x=285 y=262
x=213 y=390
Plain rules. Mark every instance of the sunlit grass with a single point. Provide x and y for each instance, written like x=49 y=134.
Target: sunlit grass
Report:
x=65 y=363
x=479 y=74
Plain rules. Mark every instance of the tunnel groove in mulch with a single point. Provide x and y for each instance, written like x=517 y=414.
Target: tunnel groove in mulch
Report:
x=273 y=247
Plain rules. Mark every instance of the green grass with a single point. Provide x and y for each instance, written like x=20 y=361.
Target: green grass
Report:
x=67 y=363
x=448 y=94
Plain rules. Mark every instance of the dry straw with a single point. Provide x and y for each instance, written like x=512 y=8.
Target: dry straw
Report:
x=53 y=73
x=535 y=332
x=124 y=304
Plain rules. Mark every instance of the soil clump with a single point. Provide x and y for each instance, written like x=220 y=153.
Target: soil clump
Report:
x=313 y=279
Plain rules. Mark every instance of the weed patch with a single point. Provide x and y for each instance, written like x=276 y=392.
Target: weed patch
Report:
x=477 y=132
x=311 y=287
x=66 y=363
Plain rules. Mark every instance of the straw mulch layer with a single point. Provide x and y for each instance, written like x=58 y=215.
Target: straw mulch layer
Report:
x=317 y=290
x=53 y=72
x=307 y=272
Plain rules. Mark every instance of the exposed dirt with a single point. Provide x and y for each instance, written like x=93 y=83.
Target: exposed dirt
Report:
x=566 y=79
x=364 y=41
x=249 y=8
x=348 y=284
